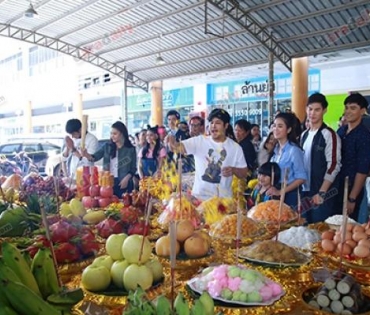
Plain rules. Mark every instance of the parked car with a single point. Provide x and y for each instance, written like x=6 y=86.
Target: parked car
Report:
x=37 y=150
x=56 y=167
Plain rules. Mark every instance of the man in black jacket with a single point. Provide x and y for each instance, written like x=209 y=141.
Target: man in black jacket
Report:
x=322 y=159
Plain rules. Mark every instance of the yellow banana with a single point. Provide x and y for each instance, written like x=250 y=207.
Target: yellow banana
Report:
x=25 y=301
x=14 y=259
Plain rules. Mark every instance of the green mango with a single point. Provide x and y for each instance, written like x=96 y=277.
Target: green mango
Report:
x=12 y=222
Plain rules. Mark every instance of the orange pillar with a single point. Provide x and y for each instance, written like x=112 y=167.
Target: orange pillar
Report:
x=157 y=103
x=78 y=106
x=28 y=118
x=299 y=86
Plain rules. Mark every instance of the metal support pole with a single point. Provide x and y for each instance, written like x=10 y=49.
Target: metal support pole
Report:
x=124 y=103
x=271 y=88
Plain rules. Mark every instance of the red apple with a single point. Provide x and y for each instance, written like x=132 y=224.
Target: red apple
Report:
x=106 y=191
x=104 y=202
x=89 y=202
x=94 y=190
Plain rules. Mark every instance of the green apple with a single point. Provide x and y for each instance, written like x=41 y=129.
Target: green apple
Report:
x=77 y=207
x=113 y=245
x=131 y=249
x=117 y=271
x=157 y=269
x=105 y=261
x=95 y=278
x=135 y=276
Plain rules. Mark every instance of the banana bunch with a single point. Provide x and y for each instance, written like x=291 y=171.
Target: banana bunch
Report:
x=32 y=290
x=140 y=305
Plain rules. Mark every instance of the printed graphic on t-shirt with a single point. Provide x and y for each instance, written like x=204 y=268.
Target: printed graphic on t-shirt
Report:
x=212 y=174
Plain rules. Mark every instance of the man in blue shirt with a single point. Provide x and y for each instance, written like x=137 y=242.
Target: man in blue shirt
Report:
x=355 y=154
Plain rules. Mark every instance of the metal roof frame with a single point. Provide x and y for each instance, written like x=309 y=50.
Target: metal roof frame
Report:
x=244 y=32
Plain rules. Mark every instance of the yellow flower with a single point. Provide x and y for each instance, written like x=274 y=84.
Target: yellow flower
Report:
x=252 y=183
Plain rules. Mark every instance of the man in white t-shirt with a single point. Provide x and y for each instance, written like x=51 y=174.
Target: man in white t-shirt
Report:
x=73 y=146
x=322 y=161
x=217 y=158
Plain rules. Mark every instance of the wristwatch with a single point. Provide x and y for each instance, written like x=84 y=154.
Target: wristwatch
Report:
x=322 y=194
x=351 y=200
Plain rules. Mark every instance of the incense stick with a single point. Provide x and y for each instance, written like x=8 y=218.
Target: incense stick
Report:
x=238 y=231
x=344 y=221
x=299 y=207
x=173 y=243
x=282 y=197
x=147 y=211
x=179 y=188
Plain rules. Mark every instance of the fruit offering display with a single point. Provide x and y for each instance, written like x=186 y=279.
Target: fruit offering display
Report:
x=340 y=294
x=72 y=242
x=355 y=245
x=190 y=243
x=273 y=252
x=32 y=289
x=268 y=211
x=122 y=219
x=138 y=303
x=299 y=237
x=237 y=284
x=179 y=209
x=42 y=188
x=123 y=268
x=215 y=208
x=226 y=228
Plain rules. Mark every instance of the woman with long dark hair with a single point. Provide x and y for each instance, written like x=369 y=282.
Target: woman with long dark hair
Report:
x=152 y=154
x=289 y=156
x=266 y=149
x=119 y=158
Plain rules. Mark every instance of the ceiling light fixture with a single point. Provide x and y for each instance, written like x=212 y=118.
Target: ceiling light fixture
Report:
x=30 y=12
x=159 y=61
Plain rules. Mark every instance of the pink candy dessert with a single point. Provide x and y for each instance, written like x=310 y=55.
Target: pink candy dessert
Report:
x=237 y=283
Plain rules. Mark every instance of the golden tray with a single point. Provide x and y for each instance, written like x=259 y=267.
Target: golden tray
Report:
x=184 y=263
x=306 y=307
x=112 y=302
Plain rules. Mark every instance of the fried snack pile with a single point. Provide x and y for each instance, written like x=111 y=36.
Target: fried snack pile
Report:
x=273 y=252
x=268 y=211
x=226 y=228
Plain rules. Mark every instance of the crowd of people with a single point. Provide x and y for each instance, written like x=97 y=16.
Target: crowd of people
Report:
x=309 y=166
